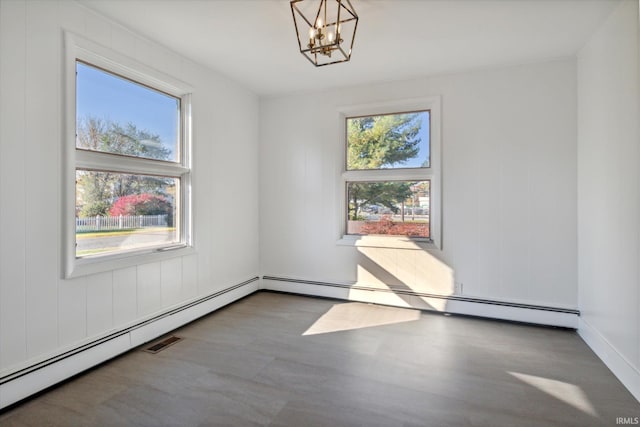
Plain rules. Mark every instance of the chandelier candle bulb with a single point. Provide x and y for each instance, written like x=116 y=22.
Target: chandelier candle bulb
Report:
x=312 y=36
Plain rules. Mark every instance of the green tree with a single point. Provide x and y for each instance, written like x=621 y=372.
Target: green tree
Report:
x=386 y=193
x=377 y=142
x=95 y=198
x=95 y=208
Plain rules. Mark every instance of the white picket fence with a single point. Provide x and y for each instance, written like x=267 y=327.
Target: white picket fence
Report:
x=102 y=223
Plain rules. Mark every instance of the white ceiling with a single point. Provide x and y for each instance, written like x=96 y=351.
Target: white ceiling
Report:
x=254 y=42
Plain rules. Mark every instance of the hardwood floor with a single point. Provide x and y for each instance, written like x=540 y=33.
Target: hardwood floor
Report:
x=284 y=360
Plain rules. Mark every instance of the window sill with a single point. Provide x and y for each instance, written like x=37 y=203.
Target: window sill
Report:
x=391 y=242
x=87 y=266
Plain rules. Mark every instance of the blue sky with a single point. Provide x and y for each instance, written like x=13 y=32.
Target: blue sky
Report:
x=424 y=143
x=109 y=97
x=106 y=96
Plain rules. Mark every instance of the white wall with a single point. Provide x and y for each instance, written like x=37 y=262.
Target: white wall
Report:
x=42 y=314
x=509 y=187
x=609 y=193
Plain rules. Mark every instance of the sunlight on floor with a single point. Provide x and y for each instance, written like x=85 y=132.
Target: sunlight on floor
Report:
x=348 y=316
x=570 y=394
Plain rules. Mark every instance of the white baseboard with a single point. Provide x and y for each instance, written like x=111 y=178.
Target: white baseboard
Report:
x=616 y=362
x=550 y=316
x=31 y=380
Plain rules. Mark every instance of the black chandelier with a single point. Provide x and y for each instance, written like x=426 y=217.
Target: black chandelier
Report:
x=325 y=29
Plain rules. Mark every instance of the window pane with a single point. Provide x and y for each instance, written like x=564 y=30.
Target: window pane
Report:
x=399 y=208
x=120 y=212
x=116 y=115
x=388 y=141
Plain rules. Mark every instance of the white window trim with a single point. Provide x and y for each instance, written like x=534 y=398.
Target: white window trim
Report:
x=79 y=48
x=432 y=173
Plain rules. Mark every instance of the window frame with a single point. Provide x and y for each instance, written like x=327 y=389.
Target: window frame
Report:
x=431 y=173
x=83 y=50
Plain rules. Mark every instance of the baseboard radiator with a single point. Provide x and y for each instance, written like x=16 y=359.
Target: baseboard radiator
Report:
x=456 y=304
x=30 y=380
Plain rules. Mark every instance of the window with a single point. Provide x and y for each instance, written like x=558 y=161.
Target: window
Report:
x=388 y=141
x=129 y=169
x=392 y=172
x=393 y=208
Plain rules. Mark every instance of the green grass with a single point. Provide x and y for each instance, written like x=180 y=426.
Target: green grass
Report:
x=94 y=251
x=123 y=232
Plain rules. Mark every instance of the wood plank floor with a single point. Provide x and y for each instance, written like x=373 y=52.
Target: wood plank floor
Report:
x=284 y=360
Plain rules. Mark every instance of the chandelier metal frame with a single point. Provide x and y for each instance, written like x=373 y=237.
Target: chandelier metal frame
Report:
x=325 y=44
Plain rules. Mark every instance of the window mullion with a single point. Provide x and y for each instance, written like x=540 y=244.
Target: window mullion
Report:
x=387 y=175
x=94 y=160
